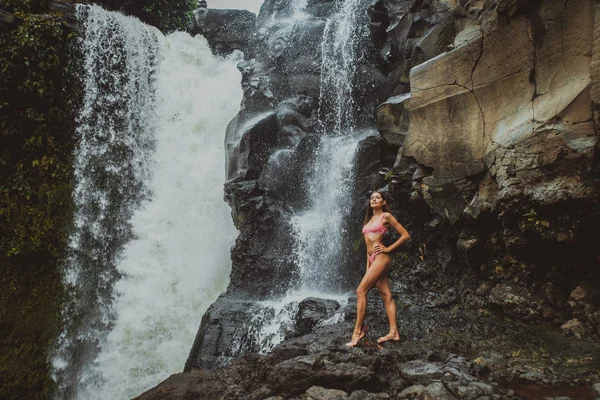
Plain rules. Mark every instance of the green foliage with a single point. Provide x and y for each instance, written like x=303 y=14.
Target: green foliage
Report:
x=166 y=15
x=36 y=142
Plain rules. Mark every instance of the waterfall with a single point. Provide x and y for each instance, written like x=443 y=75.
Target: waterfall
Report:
x=320 y=230
x=298 y=7
x=341 y=49
x=150 y=244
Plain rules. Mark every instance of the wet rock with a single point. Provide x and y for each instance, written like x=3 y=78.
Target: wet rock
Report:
x=225 y=30
x=320 y=393
x=290 y=376
x=484 y=289
x=312 y=311
x=437 y=391
x=555 y=294
x=347 y=374
x=514 y=300
x=411 y=392
x=364 y=395
x=476 y=155
x=369 y=153
x=579 y=294
x=575 y=328
x=250 y=139
x=422 y=372
x=219 y=330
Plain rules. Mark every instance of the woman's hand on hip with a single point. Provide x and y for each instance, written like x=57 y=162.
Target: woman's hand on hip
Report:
x=379 y=248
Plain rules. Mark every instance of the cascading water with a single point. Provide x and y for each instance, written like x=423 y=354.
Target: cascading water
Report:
x=116 y=137
x=150 y=247
x=321 y=236
x=320 y=231
x=298 y=7
x=341 y=49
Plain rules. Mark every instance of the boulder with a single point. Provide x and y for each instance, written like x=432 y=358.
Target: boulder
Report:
x=575 y=328
x=225 y=30
x=411 y=392
x=311 y=311
x=515 y=300
x=422 y=372
x=320 y=393
x=221 y=335
x=249 y=141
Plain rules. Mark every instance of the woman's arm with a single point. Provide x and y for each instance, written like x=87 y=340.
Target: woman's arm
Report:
x=404 y=235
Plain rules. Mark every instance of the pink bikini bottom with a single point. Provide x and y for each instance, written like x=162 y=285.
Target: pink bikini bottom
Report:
x=372 y=257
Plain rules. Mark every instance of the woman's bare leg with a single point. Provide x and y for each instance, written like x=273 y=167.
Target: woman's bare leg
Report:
x=383 y=286
x=373 y=274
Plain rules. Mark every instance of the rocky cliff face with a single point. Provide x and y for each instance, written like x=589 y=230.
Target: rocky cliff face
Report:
x=500 y=133
x=487 y=113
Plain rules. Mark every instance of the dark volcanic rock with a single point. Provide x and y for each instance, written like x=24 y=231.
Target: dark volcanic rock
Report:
x=424 y=362
x=222 y=335
x=311 y=311
x=250 y=139
x=225 y=30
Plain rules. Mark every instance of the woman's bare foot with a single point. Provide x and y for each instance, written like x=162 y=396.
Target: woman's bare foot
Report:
x=390 y=336
x=356 y=337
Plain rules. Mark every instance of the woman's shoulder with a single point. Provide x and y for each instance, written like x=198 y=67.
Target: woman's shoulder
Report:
x=387 y=216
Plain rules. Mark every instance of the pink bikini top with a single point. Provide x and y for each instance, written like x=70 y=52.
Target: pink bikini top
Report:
x=375 y=226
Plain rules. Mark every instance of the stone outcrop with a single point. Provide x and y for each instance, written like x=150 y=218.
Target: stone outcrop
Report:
x=225 y=30
x=424 y=365
x=497 y=141
x=510 y=108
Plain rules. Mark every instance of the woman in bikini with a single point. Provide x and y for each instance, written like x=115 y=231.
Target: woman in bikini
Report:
x=377 y=221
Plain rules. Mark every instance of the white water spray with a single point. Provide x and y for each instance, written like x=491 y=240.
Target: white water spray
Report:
x=321 y=230
x=340 y=49
x=299 y=7
x=177 y=261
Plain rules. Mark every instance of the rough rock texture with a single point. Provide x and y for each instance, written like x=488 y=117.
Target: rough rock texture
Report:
x=225 y=30
x=497 y=143
x=520 y=111
x=424 y=365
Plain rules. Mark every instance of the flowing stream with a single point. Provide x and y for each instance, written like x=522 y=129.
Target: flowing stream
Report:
x=149 y=251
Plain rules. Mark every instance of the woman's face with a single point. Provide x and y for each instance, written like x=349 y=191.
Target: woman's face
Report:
x=376 y=200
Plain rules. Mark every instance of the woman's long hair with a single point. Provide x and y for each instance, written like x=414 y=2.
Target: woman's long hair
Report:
x=369 y=213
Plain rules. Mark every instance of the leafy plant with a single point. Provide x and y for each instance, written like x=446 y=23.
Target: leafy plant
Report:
x=166 y=15
x=36 y=142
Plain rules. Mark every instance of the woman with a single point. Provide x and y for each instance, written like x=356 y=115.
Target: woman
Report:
x=377 y=221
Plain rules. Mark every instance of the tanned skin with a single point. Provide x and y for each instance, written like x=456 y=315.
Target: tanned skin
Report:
x=376 y=273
